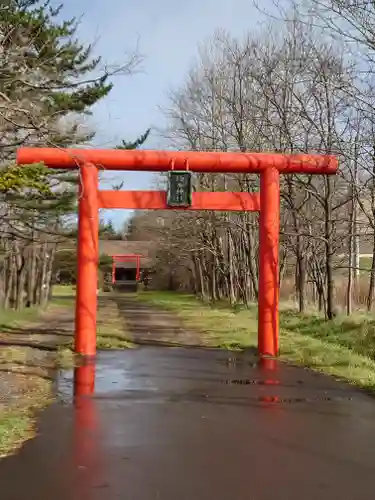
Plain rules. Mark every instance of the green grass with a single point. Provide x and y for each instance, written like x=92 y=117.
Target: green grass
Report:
x=14 y=429
x=214 y=323
x=112 y=328
x=10 y=317
x=344 y=348
x=365 y=264
x=356 y=332
x=63 y=290
x=66 y=358
x=18 y=423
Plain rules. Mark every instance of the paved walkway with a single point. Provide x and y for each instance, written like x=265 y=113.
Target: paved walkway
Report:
x=190 y=424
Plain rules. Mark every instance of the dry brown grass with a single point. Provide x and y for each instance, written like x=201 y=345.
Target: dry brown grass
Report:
x=359 y=293
x=344 y=348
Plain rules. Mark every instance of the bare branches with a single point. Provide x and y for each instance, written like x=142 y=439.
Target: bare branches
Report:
x=293 y=91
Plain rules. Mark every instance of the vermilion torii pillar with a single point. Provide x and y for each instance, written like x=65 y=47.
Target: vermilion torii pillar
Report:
x=268 y=165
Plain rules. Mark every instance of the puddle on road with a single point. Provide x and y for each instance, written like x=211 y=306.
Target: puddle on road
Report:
x=118 y=376
x=93 y=448
x=99 y=379
x=247 y=381
x=322 y=399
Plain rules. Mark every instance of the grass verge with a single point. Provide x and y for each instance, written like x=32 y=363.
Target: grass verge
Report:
x=344 y=348
x=11 y=318
x=112 y=328
x=64 y=291
x=17 y=422
x=23 y=370
x=25 y=386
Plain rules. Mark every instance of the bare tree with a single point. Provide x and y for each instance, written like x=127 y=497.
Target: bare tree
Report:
x=295 y=91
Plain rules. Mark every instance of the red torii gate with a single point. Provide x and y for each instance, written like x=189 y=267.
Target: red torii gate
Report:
x=126 y=258
x=267 y=202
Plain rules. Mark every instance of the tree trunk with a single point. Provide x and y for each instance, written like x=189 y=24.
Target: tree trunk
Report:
x=43 y=273
x=232 y=293
x=9 y=282
x=351 y=255
x=301 y=276
x=201 y=278
x=328 y=230
x=252 y=261
x=371 y=289
x=50 y=254
x=31 y=284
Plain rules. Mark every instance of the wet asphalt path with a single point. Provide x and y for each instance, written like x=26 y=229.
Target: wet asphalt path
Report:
x=188 y=424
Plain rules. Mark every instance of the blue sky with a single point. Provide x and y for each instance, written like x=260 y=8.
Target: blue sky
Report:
x=167 y=33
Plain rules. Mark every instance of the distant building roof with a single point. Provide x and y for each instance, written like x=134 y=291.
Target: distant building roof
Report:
x=122 y=247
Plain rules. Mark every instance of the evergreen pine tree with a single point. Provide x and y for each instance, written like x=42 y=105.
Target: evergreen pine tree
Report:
x=48 y=82
x=48 y=79
x=134 y=144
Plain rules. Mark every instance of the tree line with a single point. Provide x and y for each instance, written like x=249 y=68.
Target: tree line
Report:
x=49 y=83
x=302 y=83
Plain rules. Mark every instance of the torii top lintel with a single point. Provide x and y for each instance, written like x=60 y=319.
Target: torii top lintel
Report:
x=162 y=161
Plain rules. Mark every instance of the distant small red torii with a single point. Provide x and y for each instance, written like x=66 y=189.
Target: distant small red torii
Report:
x=126 y=258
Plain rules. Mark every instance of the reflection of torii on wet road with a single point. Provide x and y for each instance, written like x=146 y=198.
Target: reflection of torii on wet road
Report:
x=86 y=453
x=193 y=423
